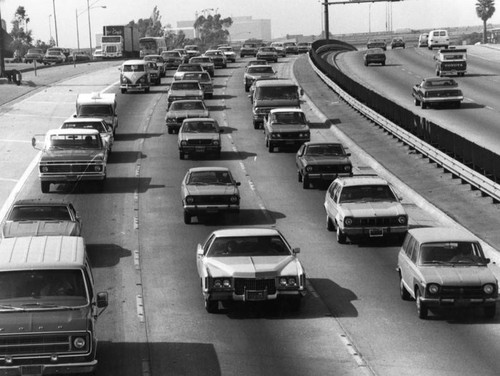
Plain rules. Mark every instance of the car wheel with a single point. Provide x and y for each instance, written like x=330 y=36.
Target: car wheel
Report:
x=305 y=182
x=45 y=185
x=383 y=63
x=187 y=218
x=366 y=63
x=457 y=104
x=422 y=310
x=490 y=311
x=170 y=130
x=247 y=88
x=403 y=292
x=123 y=91
x=101 y=184
x=181 y=155
x=270 y=146
x=255 y=125
x=212 y=306
x=146 y=90
x=341 y=237
x=329 y=224
x=299 y=177
x=417 y=102
x=424 y=105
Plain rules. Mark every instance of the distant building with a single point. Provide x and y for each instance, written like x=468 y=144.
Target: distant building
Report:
x=243 y=28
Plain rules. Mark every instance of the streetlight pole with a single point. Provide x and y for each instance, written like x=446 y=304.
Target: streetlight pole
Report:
x=90 y=29
x=55 y=20
x=50 y=28
x=77 y=31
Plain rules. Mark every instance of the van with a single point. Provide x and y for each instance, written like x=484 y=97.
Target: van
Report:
x=438 y=38
x=134 y=74
x=98 y=105
x=48 y=306
x=269 y=94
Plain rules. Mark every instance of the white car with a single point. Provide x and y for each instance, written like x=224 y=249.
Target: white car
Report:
x=199 y=136
x=98 y=124
x=364 y=206
x=249 y=265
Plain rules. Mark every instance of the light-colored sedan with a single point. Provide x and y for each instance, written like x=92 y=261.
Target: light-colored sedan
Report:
x=199 y=136
x=249 y=265
x=209 y=191
x=364 y=206
x=98 y=124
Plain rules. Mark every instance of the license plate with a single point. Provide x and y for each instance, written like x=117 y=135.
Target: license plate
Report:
x=212 y=210
x=256 y=295
x=71 y=178
x=31 y=370
x=199 y=149
x=462 y=302
x=376 y=232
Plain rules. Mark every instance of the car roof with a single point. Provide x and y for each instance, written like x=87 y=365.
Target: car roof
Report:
x=284 y=82
x=188 y=100
x=152 y=56
x=72 y=131
x=185 y=81
x=205 y=119
x=278 y=110
x=83 y=120
x=213 y=168
x=246 y=231
x=362 y=180
x=314 y=143
x=134 y=62
x=41 y=252
x=440 y=234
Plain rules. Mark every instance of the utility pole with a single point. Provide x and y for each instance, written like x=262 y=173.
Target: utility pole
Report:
x=2 y=62
x=55 y=20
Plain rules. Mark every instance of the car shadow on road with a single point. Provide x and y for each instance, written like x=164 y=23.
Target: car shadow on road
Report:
x=337 y=299
x=246 y=217
x=135 y=136
x=125 y=156
x=236 y=155
x=106 y=255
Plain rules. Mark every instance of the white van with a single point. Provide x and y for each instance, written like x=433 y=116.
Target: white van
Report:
x=48 y=306
x=438 y=38
x=98 y=105
x=134 y=74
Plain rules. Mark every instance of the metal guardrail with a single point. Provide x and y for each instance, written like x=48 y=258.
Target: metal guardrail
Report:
x=457 y=169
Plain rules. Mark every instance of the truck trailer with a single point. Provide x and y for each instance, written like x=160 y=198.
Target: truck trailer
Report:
x=120 y=41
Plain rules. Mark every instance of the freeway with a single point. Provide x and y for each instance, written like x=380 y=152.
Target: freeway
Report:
x=352 y=320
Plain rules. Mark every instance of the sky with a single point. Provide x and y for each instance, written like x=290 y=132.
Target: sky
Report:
x=287 y=16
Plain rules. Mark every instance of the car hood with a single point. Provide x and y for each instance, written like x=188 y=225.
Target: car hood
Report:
x=460 y=275
x=211 y=190
x=40 y=228
x=181 y=93
x=50 y=320
x=277 y=127
x=325 y=159
x=252 y=267
x=253 y=76
x=72 y=155
x=188 y=114
x=372 y=209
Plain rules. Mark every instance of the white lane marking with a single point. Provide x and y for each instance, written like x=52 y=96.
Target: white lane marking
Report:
x=140 y=307
x=352 y=350
x=19 y=141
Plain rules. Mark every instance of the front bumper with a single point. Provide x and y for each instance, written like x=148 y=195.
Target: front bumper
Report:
x=211 y=209
x=66 y=178
x=49 y=369
x=375 y=231
x=252 y=295
x=326 y=176
x=458 y=302
x=134 y=86
x=200 y=149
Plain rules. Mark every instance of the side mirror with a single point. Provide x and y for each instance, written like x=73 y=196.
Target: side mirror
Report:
x=296 y=250
x=221 y=130
x=33 y=142
x=102 y=300
x=238 y=183
x=301 y=92
x=199 y=250
x=348 y=154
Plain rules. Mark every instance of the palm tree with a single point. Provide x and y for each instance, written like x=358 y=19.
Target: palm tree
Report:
x=484 y=10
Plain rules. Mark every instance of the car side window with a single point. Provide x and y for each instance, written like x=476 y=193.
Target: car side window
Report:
x=207 y=244
x=413 y=249
x=336 y=193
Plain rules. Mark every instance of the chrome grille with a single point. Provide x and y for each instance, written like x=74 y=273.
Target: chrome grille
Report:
x=199 y=142
x=242 y=284
x=376 y=222
x=40 y=344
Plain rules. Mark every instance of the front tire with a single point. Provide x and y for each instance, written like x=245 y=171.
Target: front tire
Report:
x=212 y=306
x=305 y=182
x=422 y=310
x=45 y=185
x=490 y=311
x=187 y=218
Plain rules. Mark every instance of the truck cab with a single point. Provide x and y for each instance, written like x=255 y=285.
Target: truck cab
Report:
x=48 y=306
x=451 y=61
x=98 y=105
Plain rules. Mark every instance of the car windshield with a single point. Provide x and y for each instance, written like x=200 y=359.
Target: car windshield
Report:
x=181 y=85
x=367 y=193
x=185 y=106
x=190 y=68
x=210 y=178
x=445 y=253
x=42 y=288
x=248 y=246
x=171 y=54
x=97 y=125
x=39 y=213
x=199 y=127
x=133 y=68
x=257 y=69
x=289 y=117
x=277 y=92
x=95 y=110
x=325 y=150
x=440 y=83
x=201 y=60
x=74 y=141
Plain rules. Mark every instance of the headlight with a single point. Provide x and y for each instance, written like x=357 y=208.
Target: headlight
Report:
x=288 y=281
x=184 y=143
x=171 y=120
x=234 y=199
x=189 y=200
x=79 y=342
x=347 y=168
x=215 y=142
x=348 y=221
x=45 y=169
x=309 y=169
x=222 y=283
x=97 y=168
x=275 y=135
x=489 y=289
x=402 y=219
x=433 y=288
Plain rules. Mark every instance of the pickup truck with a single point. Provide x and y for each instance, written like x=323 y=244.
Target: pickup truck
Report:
x=451 y=61
x=286 y=127
x=71 y=156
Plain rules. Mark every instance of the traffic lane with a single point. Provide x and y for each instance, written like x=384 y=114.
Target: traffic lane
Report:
x=382 y=316
x=396 y=79
x=249 y=340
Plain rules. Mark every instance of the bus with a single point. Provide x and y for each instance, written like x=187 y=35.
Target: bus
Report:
x=152 y=46
x=493 y=35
